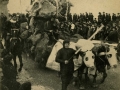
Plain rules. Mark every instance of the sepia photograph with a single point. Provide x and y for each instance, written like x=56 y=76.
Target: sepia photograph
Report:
x=59 y=44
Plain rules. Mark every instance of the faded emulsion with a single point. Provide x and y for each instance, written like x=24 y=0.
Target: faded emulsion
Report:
x=59 y=44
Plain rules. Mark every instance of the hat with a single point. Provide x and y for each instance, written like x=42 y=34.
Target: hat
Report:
x=64 y=42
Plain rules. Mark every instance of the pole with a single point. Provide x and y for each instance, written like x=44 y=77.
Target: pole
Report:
x=92 y=36
x=96 y=32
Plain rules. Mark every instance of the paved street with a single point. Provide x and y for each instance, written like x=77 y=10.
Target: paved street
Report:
x=47 y=79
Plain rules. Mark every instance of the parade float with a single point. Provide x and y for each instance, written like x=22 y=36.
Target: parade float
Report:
x=47 y=8
x=44 y=53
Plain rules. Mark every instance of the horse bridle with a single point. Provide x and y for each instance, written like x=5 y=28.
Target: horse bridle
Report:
x=13 y=38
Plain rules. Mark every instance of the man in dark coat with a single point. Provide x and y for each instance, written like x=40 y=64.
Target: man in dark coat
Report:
x=106 y=31
x=113 y=35
x=90 y=17
x=99 y=16
x=64 y=57
x=10 y=32
x=91 y=31
x=103 y=17
x=107 y=18
x=75 y=18
x=70 y=17
x=3 y=19
x=114 y=17
x=85 y=30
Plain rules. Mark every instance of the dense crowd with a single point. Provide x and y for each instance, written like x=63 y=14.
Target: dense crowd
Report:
x=8 y=71
x=86 y=25
x=83 y=24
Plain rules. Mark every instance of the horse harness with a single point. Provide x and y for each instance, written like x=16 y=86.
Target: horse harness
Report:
x=104 y=53
x=14 y=32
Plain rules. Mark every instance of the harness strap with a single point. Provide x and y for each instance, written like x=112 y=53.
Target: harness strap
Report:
x=14 y=38
x=101 y=59
x=15 y=29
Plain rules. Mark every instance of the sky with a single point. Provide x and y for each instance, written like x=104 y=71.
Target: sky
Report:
x=80 y=6
x=95 y=6
x=15 y=6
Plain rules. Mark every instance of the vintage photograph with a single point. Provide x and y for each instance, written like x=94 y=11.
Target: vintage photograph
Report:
x=59 y=44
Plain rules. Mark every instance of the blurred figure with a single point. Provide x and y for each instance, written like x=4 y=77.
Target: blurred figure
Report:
x=118 y=51
x=9 y=73
x=99 y=16
x=103 y=17
x=113 y=35
x=3 y=87
x=25 y=86
x=114 y=17
x=3 y=19
x=91 y=31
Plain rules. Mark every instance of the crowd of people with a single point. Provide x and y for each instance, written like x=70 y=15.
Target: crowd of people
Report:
x=9 y=78
x=86 y=25
x=83 y=24
x=9 y=73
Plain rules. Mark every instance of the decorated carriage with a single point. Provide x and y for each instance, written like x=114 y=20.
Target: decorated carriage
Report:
x=43 y=39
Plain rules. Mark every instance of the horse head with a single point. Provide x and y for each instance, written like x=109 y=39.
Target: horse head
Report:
x=86 y=56
x=111 y=56
x=85 y=60
x=88 y=59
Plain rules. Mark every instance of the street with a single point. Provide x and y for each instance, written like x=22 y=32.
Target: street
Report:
x=46 y=79
x=91 y=27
